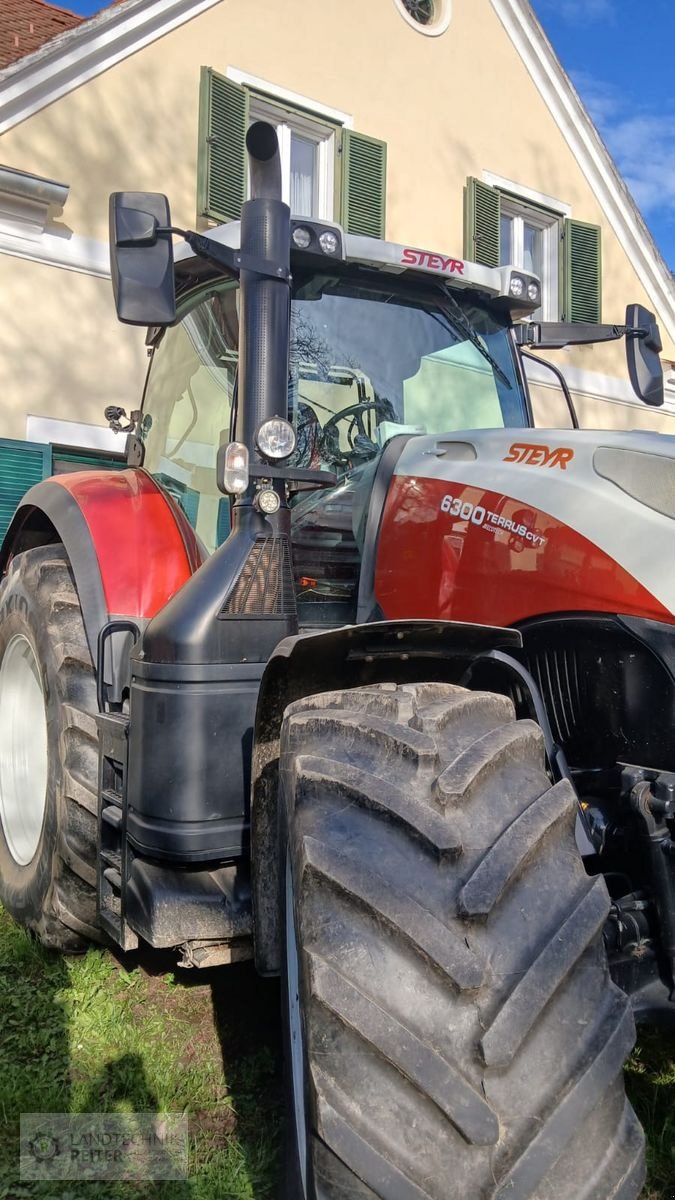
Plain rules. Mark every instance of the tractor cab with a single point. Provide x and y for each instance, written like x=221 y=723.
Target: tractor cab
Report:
x=385 y=343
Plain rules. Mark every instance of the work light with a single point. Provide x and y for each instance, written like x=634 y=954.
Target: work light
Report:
x=275 y=438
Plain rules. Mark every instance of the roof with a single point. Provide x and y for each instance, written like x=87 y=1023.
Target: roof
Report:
x=25 y=25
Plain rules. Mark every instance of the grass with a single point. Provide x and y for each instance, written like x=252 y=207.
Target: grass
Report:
x=650 y=1080
x=91 y=1035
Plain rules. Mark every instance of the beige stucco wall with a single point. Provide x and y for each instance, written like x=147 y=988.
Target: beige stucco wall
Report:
x=448 y=107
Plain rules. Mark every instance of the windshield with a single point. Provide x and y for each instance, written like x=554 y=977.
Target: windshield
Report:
x=367 y=361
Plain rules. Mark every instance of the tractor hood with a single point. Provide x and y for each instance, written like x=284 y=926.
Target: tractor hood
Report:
x=532 y=521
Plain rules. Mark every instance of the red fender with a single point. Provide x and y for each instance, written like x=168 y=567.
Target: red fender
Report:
x=129 y=544
x=145 y=546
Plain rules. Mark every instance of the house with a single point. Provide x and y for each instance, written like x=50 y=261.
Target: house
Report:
x=444 y=124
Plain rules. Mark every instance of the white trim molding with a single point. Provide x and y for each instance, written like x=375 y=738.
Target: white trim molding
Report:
x=591 y=154
x=74 y=433
x=25 y=202
x=285 y=95
x=528 y=194
x=86 y=255
x=79 y=54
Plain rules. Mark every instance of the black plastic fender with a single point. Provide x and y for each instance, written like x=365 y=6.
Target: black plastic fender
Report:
x=356 y=655
x=49 y=513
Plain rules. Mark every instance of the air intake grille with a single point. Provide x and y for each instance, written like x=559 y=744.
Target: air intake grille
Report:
x=265 y=586
x=558 y=674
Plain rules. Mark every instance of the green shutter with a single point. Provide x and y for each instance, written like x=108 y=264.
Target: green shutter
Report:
x=481 y=223
x=581 y=272
x=364 y=184
x=221 y=167
x=22 y=464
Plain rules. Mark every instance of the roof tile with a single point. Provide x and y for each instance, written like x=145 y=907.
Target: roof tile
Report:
x=25 y=25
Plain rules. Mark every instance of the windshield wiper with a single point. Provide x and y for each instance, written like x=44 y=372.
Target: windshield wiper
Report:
x=461 y=324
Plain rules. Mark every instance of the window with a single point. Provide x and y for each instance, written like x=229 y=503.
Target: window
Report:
x=426 y=16
x=529 y=238
x=328 y=171
x=187 y=408
x=503 y=228
x=307 y=152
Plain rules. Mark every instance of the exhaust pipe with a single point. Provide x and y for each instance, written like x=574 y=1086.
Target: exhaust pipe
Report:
x=265 y=302
x=197 y=669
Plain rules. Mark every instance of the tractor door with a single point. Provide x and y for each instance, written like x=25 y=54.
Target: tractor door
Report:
x=187 y=408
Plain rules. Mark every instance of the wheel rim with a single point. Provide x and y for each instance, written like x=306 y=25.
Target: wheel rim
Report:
x=295 y=1026
x=23 y=750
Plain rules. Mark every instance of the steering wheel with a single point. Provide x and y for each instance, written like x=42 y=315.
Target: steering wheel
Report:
x=330 y=437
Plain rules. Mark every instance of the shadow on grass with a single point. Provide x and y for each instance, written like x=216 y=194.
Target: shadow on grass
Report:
x=102 y=1033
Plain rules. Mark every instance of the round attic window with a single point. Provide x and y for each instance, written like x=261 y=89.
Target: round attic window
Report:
x=426 y=16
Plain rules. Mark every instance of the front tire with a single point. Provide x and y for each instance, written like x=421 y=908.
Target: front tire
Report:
x=461 y=1037
x=48 y=753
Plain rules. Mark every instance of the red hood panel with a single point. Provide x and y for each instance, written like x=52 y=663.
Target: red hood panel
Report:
x=457 y=552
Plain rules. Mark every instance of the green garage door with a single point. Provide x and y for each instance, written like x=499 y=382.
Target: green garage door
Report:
x=23 y=464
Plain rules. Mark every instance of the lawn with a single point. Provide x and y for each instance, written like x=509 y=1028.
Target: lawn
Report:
x=87 y=1035
x=91 y=1035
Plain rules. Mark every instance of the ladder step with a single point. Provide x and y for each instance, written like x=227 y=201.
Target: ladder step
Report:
x=111 y=797
x=113 y=877
x=113 y=858
x=112 y=815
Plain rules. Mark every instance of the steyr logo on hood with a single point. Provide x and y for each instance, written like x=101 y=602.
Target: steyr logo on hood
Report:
x=535 y=455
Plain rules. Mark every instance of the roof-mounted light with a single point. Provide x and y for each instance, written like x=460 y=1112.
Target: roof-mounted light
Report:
x=317 y=237
x=301 y=237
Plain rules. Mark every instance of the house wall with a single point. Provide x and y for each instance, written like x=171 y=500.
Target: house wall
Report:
x=448 y=107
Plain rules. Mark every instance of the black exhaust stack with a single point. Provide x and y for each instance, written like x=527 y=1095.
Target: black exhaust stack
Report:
x=265 y=302
x=196 y=671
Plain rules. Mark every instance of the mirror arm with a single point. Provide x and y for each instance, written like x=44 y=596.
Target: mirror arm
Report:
x=230 y=261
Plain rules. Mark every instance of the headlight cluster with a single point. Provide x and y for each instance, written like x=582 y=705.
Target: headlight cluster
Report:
x=318 y=239
x=526 y=289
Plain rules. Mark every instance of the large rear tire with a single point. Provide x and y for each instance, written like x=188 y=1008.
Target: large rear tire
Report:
x=48 y=753
x=452 y=1030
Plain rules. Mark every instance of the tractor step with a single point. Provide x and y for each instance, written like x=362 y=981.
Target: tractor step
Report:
x=111 y=859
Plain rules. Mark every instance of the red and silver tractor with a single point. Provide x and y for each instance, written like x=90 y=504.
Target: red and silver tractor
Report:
x=354 y=672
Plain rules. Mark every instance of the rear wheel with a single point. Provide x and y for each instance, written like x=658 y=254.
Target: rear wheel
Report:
x=48 y=753
x=452 y=1030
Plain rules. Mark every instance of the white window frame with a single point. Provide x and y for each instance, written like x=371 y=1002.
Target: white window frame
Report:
x=323 y=136
x=309 y=118
x=524 y=204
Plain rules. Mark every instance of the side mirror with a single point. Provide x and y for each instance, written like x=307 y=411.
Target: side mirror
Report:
x=642 y=355
x=141 y=258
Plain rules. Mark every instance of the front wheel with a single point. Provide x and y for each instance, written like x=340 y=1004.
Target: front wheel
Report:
x=451 y=1028
x=48 y=753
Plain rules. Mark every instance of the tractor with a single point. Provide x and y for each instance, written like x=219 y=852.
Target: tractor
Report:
x=354 y=672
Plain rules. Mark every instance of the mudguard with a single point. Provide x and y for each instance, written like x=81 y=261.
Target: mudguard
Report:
x=130 y=546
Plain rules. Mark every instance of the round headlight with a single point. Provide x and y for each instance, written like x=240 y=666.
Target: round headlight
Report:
x=301 y=237
x=533 y=292
x=517 y=286
x=268 y=501
x=275 y=438
x=328 y=242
